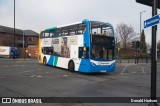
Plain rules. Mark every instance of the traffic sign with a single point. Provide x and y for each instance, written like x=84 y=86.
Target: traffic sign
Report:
x=152 y=21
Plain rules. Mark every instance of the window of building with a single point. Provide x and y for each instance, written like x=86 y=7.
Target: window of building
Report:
x=19 y=38
x=30 y=39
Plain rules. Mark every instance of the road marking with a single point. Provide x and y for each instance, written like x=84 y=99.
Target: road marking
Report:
x=133 y=72
x=143 y=70
x=124 y=70
x=39 y=76
x=32 y=76
x=26 y=71
x=48 y=73
x=18 y=61
x=19 y=65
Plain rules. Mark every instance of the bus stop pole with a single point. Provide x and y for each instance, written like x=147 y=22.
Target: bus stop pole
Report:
x=153 y=57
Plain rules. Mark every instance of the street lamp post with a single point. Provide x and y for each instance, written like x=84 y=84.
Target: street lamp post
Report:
x=140 y=32
x=14 y=32
x=23 y=37
x=141 y=20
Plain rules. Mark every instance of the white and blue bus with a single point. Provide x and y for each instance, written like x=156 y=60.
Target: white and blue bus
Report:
x=87 y=46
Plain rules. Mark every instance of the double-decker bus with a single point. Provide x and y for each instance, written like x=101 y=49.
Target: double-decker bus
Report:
x=87 y=46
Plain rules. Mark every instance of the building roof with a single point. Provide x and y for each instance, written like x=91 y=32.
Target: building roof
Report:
x=4 y=29
x=30 y=33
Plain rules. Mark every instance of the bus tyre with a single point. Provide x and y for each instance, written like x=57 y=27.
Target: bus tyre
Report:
x=44 y=61
x=71 y=66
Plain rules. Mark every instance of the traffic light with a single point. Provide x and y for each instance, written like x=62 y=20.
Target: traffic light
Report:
x=148 y=2
x=137 y=44
x=133 y=44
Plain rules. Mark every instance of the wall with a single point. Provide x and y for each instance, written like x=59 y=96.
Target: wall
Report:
x=30 y=52
x=8 y=40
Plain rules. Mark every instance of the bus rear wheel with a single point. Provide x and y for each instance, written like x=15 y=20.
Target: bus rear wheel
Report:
x=71 y=66
x=44 y=61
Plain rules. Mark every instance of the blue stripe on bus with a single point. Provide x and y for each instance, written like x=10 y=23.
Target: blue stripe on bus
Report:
x=51 y=60
x=87 y=34
x=109 y=68
x=84 y=66
x=87 y=67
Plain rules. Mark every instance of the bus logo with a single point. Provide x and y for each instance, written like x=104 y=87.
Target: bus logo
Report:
x=103 y=63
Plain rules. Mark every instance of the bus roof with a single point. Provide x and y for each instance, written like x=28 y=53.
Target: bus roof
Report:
x=53 y=28
x=94 y=24
x=75 y=23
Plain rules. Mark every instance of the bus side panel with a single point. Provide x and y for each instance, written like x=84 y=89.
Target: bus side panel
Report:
x=62 y=62
x=77 y=64
x=84 y=66
x=57 y=61
x=53 y=60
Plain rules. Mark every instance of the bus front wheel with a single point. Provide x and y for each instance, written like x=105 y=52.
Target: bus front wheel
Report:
x=71 y=66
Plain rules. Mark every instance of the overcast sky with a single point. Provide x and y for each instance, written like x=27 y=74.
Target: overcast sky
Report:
x=41 y=14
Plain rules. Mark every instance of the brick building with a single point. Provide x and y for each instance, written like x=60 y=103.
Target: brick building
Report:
x=30 y=39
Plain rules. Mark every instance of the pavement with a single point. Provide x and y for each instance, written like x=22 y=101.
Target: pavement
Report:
x=28 y=78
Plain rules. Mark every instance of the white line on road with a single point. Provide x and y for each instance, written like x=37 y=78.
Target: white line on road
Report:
x=19 y=65
x=32 y=76
x=39 y=76
x=65 y=75
x=26 y=71
x=143 y=70
x=124 y=69
x=133 y=72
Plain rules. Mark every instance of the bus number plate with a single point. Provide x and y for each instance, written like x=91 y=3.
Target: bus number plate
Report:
x=102 y=70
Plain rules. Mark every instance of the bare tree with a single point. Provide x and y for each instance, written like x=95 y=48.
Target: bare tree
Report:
x=125 y=33
x=118 y=41
x=143 y=46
